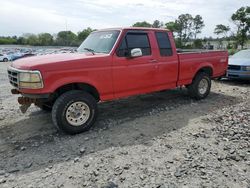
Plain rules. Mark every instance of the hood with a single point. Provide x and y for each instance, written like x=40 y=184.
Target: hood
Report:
x=239 y=61
x=35 y=62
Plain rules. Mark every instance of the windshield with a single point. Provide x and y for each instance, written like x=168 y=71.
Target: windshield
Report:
x=99 y=42
x=242 y=54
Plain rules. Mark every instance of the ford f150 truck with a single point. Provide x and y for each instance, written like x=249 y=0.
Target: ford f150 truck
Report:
x=111 y=64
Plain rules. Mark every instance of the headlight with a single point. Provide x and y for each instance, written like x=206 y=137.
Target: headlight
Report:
x=29 y=77
x=30 y=80
x=246 y=68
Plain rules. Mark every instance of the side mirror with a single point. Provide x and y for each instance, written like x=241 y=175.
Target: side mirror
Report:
x=136 y=52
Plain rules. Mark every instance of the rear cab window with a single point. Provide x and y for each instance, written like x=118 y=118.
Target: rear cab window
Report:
x=134 y=40
x=164 y=43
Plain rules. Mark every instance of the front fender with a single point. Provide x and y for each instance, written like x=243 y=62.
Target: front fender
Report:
x=65 y=81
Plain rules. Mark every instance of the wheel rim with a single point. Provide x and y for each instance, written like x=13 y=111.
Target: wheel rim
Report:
x=77 y=113
x=203 y=86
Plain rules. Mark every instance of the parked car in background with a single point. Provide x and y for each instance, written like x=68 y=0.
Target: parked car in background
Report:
x=4 y=58
x=15 y=55
x=239 y=65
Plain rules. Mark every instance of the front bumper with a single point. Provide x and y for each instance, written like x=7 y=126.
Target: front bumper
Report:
x=238 y=74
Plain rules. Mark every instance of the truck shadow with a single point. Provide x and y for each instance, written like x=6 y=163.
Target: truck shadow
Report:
x=33 y=143
x=243 y=83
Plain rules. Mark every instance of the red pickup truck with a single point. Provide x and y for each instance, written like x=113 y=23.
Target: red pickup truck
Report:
x=111 y=64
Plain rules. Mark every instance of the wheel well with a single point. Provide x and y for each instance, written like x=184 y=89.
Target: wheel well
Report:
x=207 y=70
x=78 y=86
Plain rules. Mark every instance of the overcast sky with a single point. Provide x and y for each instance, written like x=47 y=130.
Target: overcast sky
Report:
x=33 y=16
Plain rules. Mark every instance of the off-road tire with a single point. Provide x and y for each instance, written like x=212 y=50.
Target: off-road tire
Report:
x=193 y=88
x=62 y=104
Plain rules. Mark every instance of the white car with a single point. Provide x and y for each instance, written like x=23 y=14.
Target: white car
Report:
x=4 y=58
x=239 y=65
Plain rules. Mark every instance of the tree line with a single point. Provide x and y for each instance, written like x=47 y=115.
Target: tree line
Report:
x=241 y=19
x=62 y=38
x=185 y=28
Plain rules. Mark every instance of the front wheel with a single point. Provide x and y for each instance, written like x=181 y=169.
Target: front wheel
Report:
x=200 y=87
x=74 y=112
x=5 y=60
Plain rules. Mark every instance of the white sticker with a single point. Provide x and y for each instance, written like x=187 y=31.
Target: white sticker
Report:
x=106 y=36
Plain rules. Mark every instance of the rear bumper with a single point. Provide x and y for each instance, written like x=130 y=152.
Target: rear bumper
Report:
x=234 y=74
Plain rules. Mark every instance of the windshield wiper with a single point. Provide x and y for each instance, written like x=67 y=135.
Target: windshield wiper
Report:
x=90 y=50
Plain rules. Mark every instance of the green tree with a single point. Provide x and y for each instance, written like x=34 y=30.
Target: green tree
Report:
x=45 y=39
x=142 y=24
x=182 y=27
x=186 y=22
x=221 y=29
x=21 y=40
x=8 y=40
x=172 y=26
x=31 y=39
x=198 y=24
x=241 y=19
x=185 y=27
x=157 y=24
x=82 y=35
x=66 y=38
x=197 y=44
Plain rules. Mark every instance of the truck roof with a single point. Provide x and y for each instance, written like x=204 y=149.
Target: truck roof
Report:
x=134 y=28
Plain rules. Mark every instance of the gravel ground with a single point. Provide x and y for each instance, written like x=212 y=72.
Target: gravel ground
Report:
x=160 y=140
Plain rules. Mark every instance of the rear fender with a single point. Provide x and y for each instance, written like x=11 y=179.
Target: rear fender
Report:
x=204 y=66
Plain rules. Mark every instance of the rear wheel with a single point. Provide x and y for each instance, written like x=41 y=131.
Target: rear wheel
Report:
x=74 y=112
x=200 y=87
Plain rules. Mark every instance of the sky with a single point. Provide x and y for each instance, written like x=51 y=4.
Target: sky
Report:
x=36 y=16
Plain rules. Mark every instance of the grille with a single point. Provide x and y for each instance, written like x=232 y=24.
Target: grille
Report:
x=234 y=67
x=13 y=77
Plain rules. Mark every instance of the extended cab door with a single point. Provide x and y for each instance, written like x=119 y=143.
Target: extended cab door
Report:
x=134 y=75
x=168 y=62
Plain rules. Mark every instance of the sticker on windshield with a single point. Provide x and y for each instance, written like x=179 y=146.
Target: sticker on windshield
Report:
x=106 y=36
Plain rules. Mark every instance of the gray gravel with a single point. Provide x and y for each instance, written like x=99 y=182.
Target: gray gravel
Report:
x=160 y=140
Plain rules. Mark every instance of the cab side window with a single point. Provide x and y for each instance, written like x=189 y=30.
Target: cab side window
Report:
x=123 y=49
x=134 y=40
x=164 y=43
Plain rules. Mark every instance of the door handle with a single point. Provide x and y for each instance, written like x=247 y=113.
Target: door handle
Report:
x=152 y=61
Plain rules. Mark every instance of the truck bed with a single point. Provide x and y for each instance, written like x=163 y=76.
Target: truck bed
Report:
x=191 y=60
